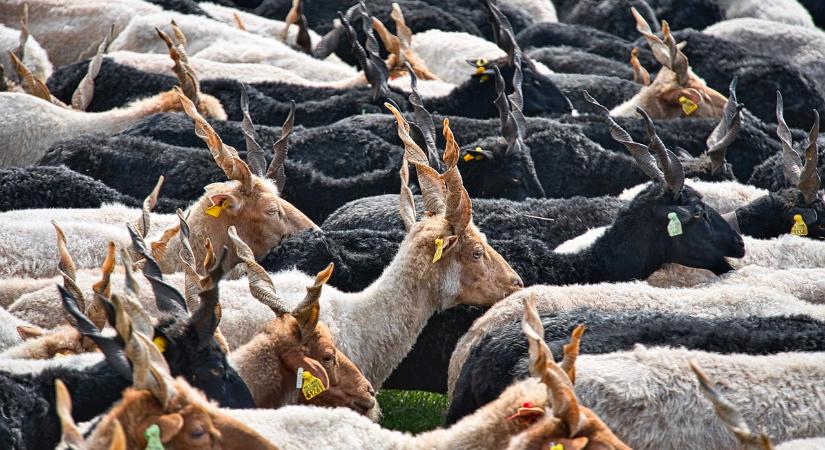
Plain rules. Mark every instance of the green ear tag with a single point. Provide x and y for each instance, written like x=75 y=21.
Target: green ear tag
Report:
x=152 y=435
x=674 y=227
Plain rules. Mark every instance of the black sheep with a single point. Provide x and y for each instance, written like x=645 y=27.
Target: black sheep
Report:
x=611 y=16
x=181 y=6
x=52 y=187
x=566 y=59
x=501 y=355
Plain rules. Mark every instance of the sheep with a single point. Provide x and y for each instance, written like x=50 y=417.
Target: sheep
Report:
x=792 y=412
x=60 y=25
x=676 y=91
x=499 y=357
x=299 y=343
x=723 y=196
x=26 y=144
x=171 y=405
x=10 y=330
x=782 y=11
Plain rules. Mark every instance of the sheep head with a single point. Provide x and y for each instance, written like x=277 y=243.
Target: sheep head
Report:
x=503 y=167
x=250 y=200
x=804 y=200
x=565 y=421
x=454 y=255
x=301 y=343
x=676 y=91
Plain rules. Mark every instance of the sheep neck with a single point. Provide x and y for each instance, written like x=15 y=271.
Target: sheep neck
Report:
x=258 y=365
x=615 y=256
x=117 y=120
x=392 y=312
x=762 y=218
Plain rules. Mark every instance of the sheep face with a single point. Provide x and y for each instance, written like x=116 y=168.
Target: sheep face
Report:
x=192 y=352
x=540 y=93
x=187 y=422
x=262 y=218
x=468 y=271
x=666 y=99
x=490 y=172
x=46 y=344
x=346 y=385
x=775 y=214
x=701 y=238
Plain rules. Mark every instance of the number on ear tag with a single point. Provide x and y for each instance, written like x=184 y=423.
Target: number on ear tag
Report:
x=688 y=107
x=215 y=210
x=152 y=435
x=299 y=381
x=674 y=226
x=799 y=227
x=439 y=249
x=312 y=385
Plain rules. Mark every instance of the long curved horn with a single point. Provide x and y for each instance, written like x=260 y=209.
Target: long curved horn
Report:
x=809 y=180
x=225 y=156
x=186 y=75
x=406 y=204
x=259 y=282
x=149 y=204
x=726 y=131
x=276 y=171
x=254 y=153
x=423 y=121
x=668 y=161
x=640 y=152
x=791 y=163
x=432 y=187
x=459 y=209
x=728 y=413
x=559 y=387
x=308 y=311
x=665 y=51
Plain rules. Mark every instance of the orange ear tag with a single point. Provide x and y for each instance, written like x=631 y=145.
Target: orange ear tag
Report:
x=439 y=249
x=215 y=210
x=688 y=107
x=468 y=157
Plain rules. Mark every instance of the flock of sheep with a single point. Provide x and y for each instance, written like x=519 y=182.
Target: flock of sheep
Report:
x=227 y=224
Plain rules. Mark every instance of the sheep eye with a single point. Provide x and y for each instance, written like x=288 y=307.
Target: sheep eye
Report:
x=516 y=180
x=328 y=358
x=197 y=433
x=478 y=253
x=216 y=371
x=274 y=211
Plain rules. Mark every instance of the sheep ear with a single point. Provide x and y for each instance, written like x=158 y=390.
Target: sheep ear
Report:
x=223 y=202
x=170 y=425
x=579 y=443
x=294 y=360
x=27 y=332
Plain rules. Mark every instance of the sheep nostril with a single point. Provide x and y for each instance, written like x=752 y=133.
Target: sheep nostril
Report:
x=365 y=403
x=516 y=282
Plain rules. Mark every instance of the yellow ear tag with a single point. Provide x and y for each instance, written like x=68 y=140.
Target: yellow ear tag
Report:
x=311 y=386
x=688 y=107
x=799 y=227
x=215 y=210
x=160 y=343
x=439 y=249
x=468 y=157
x=484 y=78
x=557 y=447
x=674 y=226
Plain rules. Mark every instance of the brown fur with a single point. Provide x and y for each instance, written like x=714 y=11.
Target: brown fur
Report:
x=262 y=218
x=188 y=423
x=37 y=343
x=278 y=352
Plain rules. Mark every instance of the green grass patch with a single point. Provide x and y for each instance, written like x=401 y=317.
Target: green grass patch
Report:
x=411 y=411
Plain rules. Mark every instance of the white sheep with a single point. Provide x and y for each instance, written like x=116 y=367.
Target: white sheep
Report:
x=723 y=196
x=538 y=10
x=66 y=28
x=803 y=46
x=733 y=300
x=649 y=396
x=217 y=41
x=783 y=11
